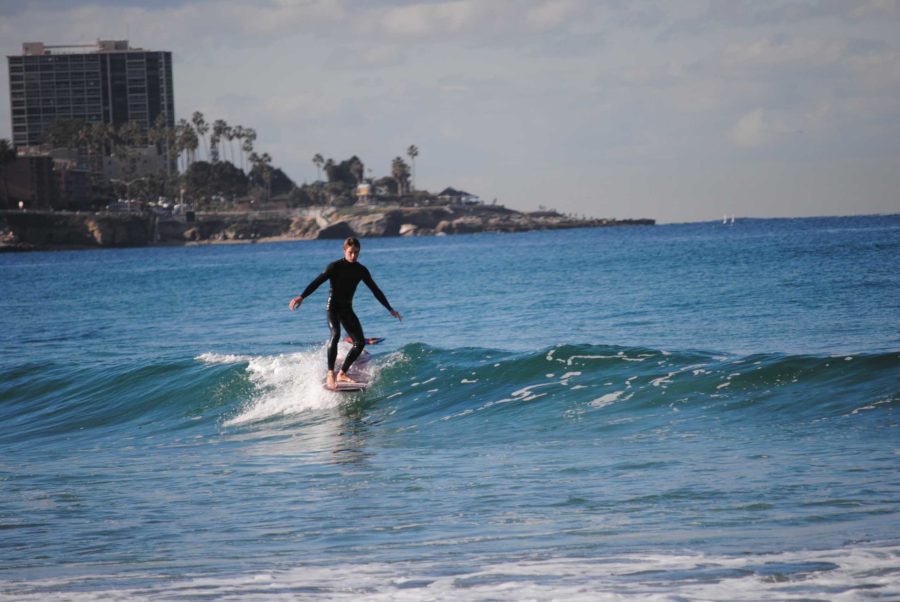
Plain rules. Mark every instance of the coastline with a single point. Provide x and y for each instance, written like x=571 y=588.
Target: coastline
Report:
x=43 y=231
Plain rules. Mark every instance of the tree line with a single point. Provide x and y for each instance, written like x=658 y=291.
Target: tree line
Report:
x=210 y=162
x=344 y=177
x=182 y=171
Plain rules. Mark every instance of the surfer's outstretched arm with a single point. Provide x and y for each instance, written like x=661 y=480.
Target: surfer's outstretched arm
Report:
x=311 y=287
x=367 y=278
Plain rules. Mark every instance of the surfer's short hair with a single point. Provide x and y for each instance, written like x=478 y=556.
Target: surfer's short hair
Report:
x=351 y=241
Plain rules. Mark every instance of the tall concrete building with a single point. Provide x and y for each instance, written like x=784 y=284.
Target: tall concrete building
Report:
x=106 y=82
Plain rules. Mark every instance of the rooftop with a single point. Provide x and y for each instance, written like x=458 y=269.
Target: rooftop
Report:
x=41 y=49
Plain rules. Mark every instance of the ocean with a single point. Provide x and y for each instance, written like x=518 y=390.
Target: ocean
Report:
x=697 y=411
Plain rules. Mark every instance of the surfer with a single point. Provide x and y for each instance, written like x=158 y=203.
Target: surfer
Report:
x=345 y=275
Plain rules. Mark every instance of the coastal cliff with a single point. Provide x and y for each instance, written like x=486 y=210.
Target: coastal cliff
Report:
x=23 y=231
x=50 y=230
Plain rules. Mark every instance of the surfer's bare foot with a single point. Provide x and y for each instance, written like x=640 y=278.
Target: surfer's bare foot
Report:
x=329 y=379
x=343 y=378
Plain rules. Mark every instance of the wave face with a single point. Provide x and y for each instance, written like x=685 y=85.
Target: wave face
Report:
x=571 y=387
x=578 y=386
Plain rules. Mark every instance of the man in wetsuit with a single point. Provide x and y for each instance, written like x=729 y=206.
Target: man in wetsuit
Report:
x=345 y=275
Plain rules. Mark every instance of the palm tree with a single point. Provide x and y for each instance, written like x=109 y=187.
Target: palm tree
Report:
x=237 y=133
x=106 y=136
x=132 y=134
x=163 y=137
x=228 y=134
x=262 y=165
x=413 y=152
x=96 y=137
x=193 y=144
x=218 y=131
x=201 y=128
x=357 y=169
x=266 y=162
x=7 y=156
x=400 y=173
x=318 y=161
x=213 y=148
x=180 y=139
x=126 y=142
x=247 y=146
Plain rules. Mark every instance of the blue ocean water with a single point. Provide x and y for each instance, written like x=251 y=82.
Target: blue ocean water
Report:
x=698 y=411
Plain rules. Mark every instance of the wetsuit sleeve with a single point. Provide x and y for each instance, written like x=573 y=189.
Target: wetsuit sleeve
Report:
x=367 y=278
x=311 y=288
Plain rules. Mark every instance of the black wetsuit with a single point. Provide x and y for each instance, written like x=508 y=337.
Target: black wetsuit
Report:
x=345 y=277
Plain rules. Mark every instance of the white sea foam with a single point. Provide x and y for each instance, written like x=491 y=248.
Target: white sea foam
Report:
x=525 y=392
x=283 y=384
x=662 y=381
x=607 y=399
x=840 y=574
x=219 y=358
x=619 y=356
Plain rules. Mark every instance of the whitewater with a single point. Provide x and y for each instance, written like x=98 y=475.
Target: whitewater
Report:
x=695 y=411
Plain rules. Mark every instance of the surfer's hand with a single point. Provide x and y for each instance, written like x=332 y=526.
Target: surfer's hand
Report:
x=396 y=314
x=295 y=303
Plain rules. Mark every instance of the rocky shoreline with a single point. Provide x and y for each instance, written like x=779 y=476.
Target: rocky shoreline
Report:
x=24 y=231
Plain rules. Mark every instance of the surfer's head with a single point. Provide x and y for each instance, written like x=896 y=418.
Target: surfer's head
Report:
x=351 y=249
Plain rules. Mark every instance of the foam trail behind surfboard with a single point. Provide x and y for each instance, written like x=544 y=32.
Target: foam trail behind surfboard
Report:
x=283 y=385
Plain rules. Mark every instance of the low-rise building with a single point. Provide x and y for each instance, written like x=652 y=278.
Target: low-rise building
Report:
x=30 y=183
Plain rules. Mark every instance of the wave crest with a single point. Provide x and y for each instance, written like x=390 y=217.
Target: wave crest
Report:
x=444 y=384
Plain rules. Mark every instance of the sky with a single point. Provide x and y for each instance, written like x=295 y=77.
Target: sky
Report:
x=676 y=110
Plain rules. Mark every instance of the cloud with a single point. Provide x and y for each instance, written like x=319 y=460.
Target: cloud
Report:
x=752 y=14
x=427 y=20
x=751 y=129
x=777 y=52
x=500 y=90
x=815 y=125
x=376 y=56
x=554 y=14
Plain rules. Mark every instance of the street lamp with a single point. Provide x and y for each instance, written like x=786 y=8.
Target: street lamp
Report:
x=127 y=185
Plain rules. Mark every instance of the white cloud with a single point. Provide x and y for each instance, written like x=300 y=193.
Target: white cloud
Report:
x=870 y=9
x=554 y=14
x=751 y=129
x=780 y=51
x=544 y=92
x=420 y=20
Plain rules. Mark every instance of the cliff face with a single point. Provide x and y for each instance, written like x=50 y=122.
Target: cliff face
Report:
x=25 y=230
x=426 y=221
x=28 y=230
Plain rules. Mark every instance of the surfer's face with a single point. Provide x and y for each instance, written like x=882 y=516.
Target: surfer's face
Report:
x=351 y=254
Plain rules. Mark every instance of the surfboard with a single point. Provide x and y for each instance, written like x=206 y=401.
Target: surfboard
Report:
x=369 y=341
x=347 y=387
x=358 y=372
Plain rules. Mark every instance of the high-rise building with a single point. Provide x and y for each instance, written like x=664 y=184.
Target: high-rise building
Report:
x=106 y=82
